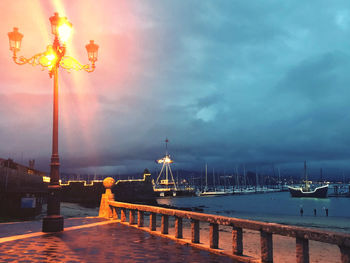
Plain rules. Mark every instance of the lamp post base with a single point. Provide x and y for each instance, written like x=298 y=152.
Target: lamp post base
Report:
x=53 y=223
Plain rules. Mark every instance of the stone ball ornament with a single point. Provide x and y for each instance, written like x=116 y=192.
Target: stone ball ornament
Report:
x=108 y=182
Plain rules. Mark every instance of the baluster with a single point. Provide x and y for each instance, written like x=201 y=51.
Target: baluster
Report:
x=266 y=247
x=345 y=254
x=140 y=217
x=153 y=222
x=178 y=227
x=164 y=225
x=131 y=217
x=237 y=241
x=115 y=213
x=302 y=250
x=214 y=235
x=195 y=231
x=122 y=215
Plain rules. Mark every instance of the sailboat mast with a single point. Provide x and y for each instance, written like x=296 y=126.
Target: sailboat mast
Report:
x=224 y=181
x=237 y=177
x=213 y=178
x=206 y=176
x=245 y=177
x=279 y=177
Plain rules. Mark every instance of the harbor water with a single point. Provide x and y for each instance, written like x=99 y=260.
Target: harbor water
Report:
x=278 y=207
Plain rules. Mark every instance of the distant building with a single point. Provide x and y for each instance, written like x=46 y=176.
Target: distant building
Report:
x=8 y=166
x=22 y=189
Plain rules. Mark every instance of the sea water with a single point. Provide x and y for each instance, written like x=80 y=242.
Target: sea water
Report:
x=277 y=207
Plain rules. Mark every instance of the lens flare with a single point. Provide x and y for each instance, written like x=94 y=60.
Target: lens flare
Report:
x=49 y=58
x=64 y=32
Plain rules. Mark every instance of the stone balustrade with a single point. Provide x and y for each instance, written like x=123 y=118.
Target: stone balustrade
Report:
x=111 y=209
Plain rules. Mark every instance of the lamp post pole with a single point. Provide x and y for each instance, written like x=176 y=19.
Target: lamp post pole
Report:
x=53 y=222
x=55 y=160
x=53 y=58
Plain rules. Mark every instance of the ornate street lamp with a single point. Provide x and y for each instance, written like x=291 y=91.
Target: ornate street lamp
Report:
x=53 y=58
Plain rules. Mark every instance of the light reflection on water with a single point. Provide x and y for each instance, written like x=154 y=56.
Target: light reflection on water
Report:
x=273 y=207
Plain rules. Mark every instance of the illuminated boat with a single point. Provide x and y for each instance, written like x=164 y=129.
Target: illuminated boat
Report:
x=168 y=186
x=317 y=192
x=306 y=190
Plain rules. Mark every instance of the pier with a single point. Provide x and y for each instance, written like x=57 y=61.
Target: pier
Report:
x=136 y=216
x=301 y=235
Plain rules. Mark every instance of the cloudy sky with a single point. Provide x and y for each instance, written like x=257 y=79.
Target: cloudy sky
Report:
x=228 y=82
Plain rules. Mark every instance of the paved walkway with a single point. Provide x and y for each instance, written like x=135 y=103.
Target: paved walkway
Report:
x=100 y=241
x=27 y=227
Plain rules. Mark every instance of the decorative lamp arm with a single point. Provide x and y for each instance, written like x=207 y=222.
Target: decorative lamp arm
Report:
x=45 y=60
x=34 y=60
x=70 y=63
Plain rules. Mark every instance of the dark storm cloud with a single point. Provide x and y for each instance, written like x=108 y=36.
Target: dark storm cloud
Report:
x=228 y=82
x=318 y=77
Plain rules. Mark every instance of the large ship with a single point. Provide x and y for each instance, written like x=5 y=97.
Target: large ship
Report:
x=165 y=184
x=317 y=192
x=307 y=190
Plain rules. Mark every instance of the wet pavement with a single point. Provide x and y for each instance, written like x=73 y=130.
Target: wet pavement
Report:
x=111 y=242
x=26 y=227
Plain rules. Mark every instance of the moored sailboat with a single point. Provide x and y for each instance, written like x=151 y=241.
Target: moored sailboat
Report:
x=208 y=192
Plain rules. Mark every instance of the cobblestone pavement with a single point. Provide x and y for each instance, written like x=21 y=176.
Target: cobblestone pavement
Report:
x=113 y=242
x=26 y=227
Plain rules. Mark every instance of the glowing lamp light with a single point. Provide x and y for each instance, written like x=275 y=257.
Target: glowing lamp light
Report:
x=50 y=53
x=61 y=27
x=166 y=159
x=64 y=30
x=92 y=49
x=46 y=179
x=15 y=39
x=49 y=59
